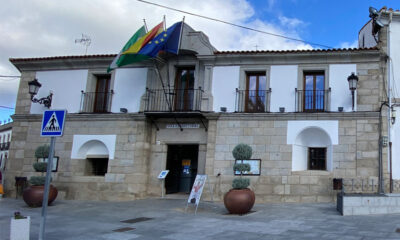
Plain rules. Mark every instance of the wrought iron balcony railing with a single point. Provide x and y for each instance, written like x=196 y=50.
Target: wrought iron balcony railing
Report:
x=173 y=100
x=252 y=100
x=96 y=102
x=312 y=100
x=4 y=146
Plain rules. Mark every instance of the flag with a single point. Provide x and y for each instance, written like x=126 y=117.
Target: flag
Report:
x=129 y=52
x=121 y=58
x=166 y=41
x=133 y=49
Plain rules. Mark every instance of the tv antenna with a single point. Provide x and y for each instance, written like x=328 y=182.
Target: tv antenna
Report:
x=85 y=40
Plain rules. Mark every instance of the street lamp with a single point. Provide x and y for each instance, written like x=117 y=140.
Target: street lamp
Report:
x=353 y=79
x=34 y=86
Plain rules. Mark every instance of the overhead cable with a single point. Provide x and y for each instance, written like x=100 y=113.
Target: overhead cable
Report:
x=236 y=25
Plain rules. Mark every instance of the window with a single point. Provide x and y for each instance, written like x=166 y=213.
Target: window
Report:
x=184 y=89
x=102 y=96
x=96 y=166
x=316 y=158
x=314 y=91
x=256 y=86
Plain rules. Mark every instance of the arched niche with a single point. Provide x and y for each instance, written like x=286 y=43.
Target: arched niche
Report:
x=311 y=137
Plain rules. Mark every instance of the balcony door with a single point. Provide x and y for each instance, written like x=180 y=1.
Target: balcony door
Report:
x=314 y=92
x=256 y=86
x=184 y=89
x=101 y=95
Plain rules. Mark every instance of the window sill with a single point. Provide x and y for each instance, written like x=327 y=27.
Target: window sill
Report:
x=312 y=173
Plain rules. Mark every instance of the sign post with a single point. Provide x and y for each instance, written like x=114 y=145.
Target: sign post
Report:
x=52 y=126
x=162 y=176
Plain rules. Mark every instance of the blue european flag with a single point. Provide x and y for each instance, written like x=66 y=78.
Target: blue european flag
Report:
x=165 y=41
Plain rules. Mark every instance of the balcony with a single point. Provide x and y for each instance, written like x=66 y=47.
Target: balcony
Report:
x=312 y=100
x=96 y=102
x=173 y=100
x=5 y=146
x=252 y=101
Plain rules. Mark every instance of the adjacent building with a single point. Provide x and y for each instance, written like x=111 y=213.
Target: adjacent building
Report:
x=186 y=113
x=5 y=140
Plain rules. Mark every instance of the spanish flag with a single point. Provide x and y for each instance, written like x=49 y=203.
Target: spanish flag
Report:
x=129 y=53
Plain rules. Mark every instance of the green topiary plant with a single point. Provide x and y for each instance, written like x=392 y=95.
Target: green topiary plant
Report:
x=40 y=167
x=40 y=152
x=241 y=152
x=37 y=180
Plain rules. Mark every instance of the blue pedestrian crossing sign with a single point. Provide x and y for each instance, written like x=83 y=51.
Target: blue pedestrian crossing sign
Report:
x=53 y=123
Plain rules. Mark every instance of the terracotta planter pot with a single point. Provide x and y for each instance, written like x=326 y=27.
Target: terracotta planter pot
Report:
x=239 y=201
x=33 y=195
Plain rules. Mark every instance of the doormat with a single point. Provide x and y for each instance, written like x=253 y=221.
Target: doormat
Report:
x=136 y=220
x=125 y=229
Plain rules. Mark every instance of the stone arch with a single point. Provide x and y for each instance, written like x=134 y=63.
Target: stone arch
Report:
x=96 y=155
x=93 y=149
x=314 y=137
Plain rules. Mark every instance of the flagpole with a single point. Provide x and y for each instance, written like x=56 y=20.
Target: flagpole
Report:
x=165 y=24
x=180 y=35
x=145 y=25
x=162 y=84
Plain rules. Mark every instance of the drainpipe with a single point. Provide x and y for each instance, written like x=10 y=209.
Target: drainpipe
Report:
x=380 y=170
x=389 y=101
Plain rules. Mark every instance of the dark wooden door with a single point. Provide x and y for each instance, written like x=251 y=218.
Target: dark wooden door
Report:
x=102 y=94
x=256 y=85
x=184 y=89
x=314 y=92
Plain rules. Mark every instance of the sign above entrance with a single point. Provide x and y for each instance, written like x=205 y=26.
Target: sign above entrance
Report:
x=53 y=123
x=184 y=125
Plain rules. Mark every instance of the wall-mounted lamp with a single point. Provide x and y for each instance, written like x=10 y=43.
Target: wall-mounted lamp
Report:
x=353 y=79
x=393 y=115
x=34 y=86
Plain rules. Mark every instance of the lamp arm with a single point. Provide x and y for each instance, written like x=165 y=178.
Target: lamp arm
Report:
x=46 y=101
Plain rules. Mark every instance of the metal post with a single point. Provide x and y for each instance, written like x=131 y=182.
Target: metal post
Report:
x=352 y=98
x=46 y=189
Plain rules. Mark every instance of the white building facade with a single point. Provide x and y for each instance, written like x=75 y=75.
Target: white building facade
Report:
x=186 y=113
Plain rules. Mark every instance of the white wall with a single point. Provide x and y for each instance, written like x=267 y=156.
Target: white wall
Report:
x=79 y=141
x=66 y=87
x=283 y=81
x=295 y=127
x=395 y=137
x=340 y=93
x=395 y=56
x=225 y=80
x=129 y=87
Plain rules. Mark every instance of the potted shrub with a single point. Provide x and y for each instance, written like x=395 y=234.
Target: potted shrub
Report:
x=19 y=227
x=240 y=199
x=33 y=195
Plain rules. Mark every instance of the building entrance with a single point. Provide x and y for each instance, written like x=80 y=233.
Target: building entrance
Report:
x=182 y=166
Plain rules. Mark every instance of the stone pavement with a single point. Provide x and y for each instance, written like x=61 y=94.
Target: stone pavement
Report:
x=97 y=220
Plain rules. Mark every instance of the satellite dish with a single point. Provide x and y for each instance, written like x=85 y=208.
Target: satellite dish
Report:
x=373 y=13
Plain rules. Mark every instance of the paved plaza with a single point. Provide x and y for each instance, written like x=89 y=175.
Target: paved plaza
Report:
x=166 y=219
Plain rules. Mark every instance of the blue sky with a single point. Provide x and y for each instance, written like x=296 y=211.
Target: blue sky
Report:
x=328 y=22
x=51 y=27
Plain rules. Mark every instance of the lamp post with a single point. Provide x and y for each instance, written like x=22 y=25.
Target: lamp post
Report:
x=34 y=86
x=353 y=79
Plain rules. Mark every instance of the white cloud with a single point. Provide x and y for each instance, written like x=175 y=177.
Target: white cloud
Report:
x=353 y=44
x=49 y=28
x=290 y=22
